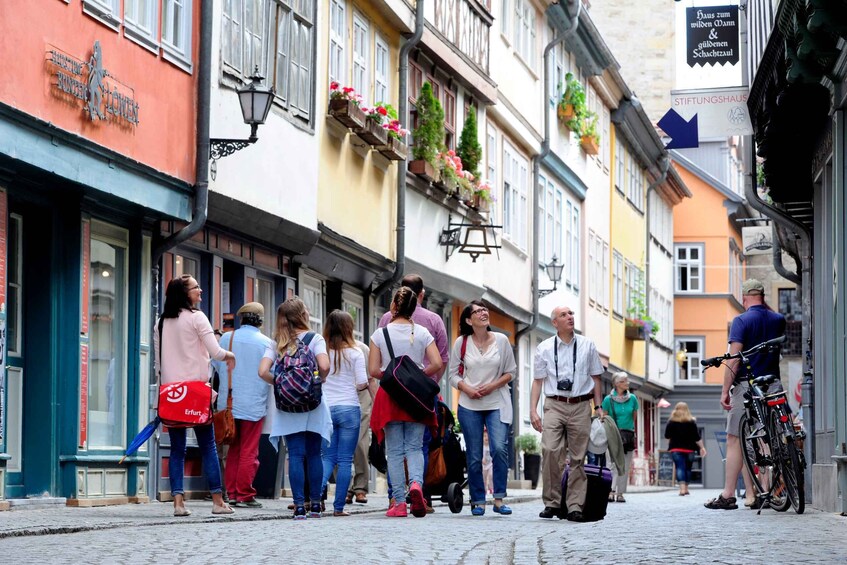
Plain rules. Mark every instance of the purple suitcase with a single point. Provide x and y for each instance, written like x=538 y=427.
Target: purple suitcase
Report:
x=597 y=495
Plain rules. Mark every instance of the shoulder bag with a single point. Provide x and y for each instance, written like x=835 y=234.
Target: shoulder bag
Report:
x=408 y=385
x=224 y=421
x=627 y=436
x=183 y=404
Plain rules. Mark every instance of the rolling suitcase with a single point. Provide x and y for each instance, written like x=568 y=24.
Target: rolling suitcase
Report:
x=597 y=494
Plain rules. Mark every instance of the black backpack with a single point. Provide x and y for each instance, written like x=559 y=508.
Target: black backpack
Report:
x=408 y=385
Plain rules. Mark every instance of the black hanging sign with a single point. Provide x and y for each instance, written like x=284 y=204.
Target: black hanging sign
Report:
x=712 y=35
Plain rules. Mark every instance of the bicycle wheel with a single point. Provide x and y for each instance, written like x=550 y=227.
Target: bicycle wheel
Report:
x=753 y=455
x=779 y=500
x=789 y=461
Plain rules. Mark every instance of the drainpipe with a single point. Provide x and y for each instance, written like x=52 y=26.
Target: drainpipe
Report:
x=804 y=265
x=777 y=259
x=664 y=166
x=536 y=166
x=400 y=264
x=200 y=213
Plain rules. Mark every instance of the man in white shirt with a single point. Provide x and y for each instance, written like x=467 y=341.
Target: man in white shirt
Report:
x=568 y=370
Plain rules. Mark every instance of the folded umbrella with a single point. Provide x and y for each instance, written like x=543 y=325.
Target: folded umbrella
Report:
x=141 y=438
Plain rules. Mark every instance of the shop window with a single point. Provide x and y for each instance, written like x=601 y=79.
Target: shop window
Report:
x=689 y=371
x=107 y=362
x=311 y=292
x=184 y=265
x=355 y=306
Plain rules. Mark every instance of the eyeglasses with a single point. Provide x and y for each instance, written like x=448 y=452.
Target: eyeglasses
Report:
x=194 y=288
x=479 y=310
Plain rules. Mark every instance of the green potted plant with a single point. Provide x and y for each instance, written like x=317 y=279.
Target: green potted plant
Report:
x=482 y=196
x=589 y=138
x=529 y=444
x=638 y=324
x=470 y=150
x=429 y=135
x=572 y=103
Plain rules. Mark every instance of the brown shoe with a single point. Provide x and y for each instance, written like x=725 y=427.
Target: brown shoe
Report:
x=430 y=510
x=361 y=498
x=291 y=506
x=349 y=499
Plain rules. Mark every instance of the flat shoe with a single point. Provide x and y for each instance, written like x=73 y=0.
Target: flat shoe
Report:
x=250 y=504
x=349 y=499
x=182 y=512
x=361 y=498
x=503 y=510
x=478 y=510
x=225 y=509
x=620 y=498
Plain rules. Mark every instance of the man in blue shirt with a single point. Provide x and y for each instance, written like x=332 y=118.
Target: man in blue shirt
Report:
x=249 y=403
x=757 y=324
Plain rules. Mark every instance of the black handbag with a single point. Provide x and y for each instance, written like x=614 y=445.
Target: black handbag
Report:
x=408 y=385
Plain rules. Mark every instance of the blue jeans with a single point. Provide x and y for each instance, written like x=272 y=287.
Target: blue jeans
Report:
x=404 y=440
x=682 y=462
x=472 y=422
x=598 y=459
x=176 y=460
x=345 y=435
x=304 y=446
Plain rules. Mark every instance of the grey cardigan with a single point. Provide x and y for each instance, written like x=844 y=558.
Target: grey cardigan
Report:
x=507 y=365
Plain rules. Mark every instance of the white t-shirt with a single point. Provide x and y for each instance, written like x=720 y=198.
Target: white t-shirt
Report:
x=406 y=339
x=481 y=369
x=341 y=387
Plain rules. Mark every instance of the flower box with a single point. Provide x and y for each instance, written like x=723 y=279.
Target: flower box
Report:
x=423 y=169
x=589 y=145
x=565 y=113
x=347 y=113
x=480 y=203
x=372 y=133
x=394 y=149
x=634 y=332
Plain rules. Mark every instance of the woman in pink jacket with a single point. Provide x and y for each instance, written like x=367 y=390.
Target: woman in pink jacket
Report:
x=184 y=355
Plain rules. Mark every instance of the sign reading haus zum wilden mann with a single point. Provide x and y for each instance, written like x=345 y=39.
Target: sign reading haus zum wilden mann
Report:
x=712 y=33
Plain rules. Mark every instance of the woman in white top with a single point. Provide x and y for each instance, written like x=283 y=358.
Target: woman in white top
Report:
x=304 y=432
x=346 y=378
x=403 y=433
x=481 y=365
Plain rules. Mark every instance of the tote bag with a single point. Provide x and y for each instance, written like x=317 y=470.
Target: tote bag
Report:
x=408 y=385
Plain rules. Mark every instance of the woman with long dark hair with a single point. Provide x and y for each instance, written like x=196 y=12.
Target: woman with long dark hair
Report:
x=403 y=433
x=346 y=378
x=304 y=432
x=183 y=345
x=481 y=366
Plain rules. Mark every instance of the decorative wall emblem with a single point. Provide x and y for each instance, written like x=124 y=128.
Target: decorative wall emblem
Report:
x=104 y=97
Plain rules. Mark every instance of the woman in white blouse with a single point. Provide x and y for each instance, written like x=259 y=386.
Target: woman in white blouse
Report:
x=346 y=378
x=481 y=365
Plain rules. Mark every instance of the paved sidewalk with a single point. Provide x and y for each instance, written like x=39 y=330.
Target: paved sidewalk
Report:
x=45 y=520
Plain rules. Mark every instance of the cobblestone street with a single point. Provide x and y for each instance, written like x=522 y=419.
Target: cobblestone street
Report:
x=657 y=527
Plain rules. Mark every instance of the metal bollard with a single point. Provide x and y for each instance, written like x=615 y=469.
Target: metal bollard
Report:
x=841 y=461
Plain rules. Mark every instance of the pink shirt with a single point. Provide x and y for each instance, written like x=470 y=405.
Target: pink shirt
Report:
x=186 y=351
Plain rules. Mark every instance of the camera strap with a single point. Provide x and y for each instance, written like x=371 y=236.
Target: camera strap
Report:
x=556 y=357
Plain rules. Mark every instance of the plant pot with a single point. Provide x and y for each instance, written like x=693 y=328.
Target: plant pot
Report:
x=635 y=332
x=531 y=468
x=448 y=185
x=565 y=113
x=394 y=149
x=372 y=133
x=589 y=145
x=480 y=203
x=466 y=196
x=347 y=113
x=423 y=169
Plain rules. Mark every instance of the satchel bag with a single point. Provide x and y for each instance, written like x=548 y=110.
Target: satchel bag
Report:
x=408 y=385
x=183 y=404
x=224 y=421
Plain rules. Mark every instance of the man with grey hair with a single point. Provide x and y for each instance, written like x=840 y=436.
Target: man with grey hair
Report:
x=568 y=370
x=757 y=324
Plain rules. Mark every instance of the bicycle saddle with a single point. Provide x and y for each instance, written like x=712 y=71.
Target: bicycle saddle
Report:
x=765 y=380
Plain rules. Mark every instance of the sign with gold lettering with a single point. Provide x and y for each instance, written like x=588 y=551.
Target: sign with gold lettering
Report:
x=103 y=96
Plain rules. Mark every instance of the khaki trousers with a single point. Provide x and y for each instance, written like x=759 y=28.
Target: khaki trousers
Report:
x=361 y=466
x=566 y=431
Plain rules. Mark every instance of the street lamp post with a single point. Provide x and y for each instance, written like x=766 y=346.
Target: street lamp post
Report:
x=255 y=103
x=554 y=272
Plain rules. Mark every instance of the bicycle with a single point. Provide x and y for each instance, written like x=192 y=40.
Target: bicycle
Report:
x=767 y=435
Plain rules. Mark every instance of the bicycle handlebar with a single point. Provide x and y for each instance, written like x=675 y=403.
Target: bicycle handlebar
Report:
x=717 y=361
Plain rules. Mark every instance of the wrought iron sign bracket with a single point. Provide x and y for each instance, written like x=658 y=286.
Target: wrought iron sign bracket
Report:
x=450 y=239
x=219 y=148
x=542 y=292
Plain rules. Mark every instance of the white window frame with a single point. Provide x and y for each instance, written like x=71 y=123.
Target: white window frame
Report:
x=605 y=141
x=617 y=283
x=515 y=172
x=302 y=63
x=620 y=165
x=382 y=69
x=310 y=283
x=360 y=79
x=491 y=155
x=688 y=263
x=232 y=31
x=178 y=52
x=636 y=185
x=105 y=11
x=572 y=245
x=354 y=304
x=605 y=273
x=551 y=220
x=141 y=23
x=524 y=32
x=736 y=270
x=693 y=374
x=592 y=269
x=338 y=41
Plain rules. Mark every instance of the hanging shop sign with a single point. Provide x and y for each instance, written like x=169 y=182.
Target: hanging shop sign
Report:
x=712 y=33
x=103 y=96
x=757 y=240
x=720 y=112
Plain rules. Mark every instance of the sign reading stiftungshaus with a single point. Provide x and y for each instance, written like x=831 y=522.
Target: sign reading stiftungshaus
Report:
x=712 y=34
x=103 y=96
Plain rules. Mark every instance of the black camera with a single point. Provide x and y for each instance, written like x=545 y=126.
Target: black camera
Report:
x=566 y=385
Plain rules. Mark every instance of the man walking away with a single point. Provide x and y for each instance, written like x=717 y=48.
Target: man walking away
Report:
x=249 y=403
x=361 y=475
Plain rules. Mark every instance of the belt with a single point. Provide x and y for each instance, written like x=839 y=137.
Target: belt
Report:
x=573 y=399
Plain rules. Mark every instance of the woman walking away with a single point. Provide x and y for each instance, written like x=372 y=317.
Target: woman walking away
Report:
x=621 y=405
x=683 y=441
x=403 y=433
x=183 y=345
x=304 y=432
x=481 y=365
x=346 y=378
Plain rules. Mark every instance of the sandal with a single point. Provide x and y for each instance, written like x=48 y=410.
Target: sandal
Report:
x=611 y=497
x=620 y=498
x=721 y=503
x=182 y=511
x=225 y=509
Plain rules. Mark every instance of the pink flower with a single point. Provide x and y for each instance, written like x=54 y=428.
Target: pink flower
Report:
x=333 y=85
x=348 y=89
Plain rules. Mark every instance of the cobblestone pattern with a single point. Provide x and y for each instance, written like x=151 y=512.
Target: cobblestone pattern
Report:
x=649 y=528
